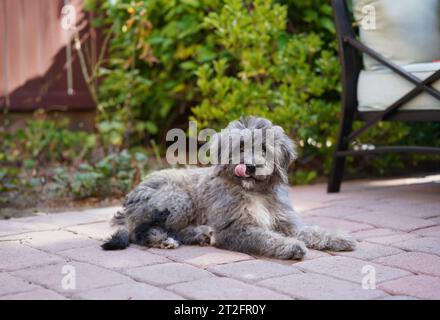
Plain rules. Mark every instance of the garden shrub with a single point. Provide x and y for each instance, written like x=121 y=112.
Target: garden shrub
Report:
x=114 y=175
x=45 y=160
x=290 y=78
x=164 y=62
x=281 y=63
x=214 y=61
x=148 y=79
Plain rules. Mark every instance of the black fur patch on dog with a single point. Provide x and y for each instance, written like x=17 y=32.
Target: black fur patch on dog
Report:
x=118 y=241
x=159 y=217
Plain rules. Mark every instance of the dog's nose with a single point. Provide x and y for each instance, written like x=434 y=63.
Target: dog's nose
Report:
x=250 y=168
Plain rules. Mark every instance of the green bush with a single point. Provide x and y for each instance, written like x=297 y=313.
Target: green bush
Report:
x=214 y=61
x=45 y=160
x=43 y=141
x=114 y=175
x=290 y=78
x=148 y=78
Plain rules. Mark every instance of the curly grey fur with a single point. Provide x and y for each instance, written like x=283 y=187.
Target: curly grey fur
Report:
x=212 y=206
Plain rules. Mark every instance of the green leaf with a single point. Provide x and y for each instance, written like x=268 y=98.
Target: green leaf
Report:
x=328 y=24
x=29 y=163
x=89 y=5
x=151 y=127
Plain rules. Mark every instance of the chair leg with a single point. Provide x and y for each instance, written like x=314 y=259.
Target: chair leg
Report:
x=338 y=164
x=336 y=173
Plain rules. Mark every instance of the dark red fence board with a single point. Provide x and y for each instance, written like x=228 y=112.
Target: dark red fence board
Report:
x=33 y=63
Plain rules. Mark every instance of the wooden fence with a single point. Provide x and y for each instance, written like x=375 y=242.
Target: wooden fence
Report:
x=34 y=56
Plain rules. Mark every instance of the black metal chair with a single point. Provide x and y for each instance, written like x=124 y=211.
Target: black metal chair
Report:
x=350 y=50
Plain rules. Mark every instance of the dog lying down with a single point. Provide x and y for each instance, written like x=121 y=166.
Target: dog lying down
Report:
x=242 y=206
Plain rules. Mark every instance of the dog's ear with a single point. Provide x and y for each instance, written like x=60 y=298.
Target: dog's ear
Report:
x=289 y=152
x=286 y=153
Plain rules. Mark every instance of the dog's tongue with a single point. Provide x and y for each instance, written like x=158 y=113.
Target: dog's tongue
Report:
x=240 y=171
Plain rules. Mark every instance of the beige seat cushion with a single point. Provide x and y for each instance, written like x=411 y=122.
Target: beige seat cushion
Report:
x=407 y=31
x=378 y=89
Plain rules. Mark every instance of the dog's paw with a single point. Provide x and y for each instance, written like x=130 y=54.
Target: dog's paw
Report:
x=342 y=242
x=169 y=243
x=293 y=249
x=205 y=235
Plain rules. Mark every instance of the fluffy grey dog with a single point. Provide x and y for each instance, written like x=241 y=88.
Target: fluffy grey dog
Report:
x=242 y=207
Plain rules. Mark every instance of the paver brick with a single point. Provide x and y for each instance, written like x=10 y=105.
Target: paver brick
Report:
x=370 y=251
x=416 y=262
x=15 y=256
x=313 y=192
x=310 y=255
x=252 y=270
x=99 y=231
x=420 y=286
x=26 y=224
x=72 y=277
x=128 y=291
x=10 y=285
x=391 y=220
x=201 y=256
x=398 y=298
x=415 y=210
x=373 y=233
x=350 y=269
x=39 y=294
x=214 y=288
x=316 y=286
x=336 y=211
x=303 y=207
x=58 y=220
x=429 y=232
x=337 y=224
x=118 y=259
x=426 y=244
x=104 y=213
x=54 y=240
x=436 y=220
x=167 y=274
x=391 y=239
x=8 y=227
x=361 y=202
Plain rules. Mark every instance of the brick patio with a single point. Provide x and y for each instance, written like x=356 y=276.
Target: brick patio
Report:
x=396 y=221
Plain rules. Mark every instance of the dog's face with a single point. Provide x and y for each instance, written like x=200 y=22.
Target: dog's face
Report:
x=253 y=153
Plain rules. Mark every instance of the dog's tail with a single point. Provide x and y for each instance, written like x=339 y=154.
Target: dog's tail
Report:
x=118 y=241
